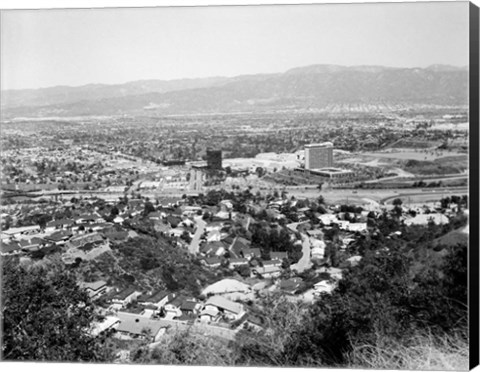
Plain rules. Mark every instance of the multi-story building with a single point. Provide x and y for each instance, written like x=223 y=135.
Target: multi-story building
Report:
x=214 y=159
x=319 y=155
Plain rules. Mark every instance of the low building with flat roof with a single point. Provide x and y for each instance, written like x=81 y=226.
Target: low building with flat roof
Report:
x=330 y=173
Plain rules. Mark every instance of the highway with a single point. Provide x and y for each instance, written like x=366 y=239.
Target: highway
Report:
x=357 y=196
x=426 y=195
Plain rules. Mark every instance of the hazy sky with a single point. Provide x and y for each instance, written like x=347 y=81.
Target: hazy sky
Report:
x=74 y=47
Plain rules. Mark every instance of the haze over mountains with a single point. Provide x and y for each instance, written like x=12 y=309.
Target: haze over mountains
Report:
x=317 y=87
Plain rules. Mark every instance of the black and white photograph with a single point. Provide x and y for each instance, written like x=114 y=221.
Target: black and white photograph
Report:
x=249 y=185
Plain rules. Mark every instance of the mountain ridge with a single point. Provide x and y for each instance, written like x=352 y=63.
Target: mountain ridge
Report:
x=316 y=86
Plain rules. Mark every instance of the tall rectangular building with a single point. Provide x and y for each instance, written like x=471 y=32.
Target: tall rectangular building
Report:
x=319 y=155
x=214 y=159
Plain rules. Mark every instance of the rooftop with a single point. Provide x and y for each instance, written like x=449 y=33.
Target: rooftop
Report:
x=323 y=144
x=138 y=325
x=223 y=303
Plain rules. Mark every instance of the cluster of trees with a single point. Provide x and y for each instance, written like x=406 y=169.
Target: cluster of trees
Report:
x=274 y=239
x=156 y=262
x=46 y=316
x=380 y=299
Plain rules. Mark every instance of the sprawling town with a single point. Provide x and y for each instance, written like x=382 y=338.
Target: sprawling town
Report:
x=177 y=224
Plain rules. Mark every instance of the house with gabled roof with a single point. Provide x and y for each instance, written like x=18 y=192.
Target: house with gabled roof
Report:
x=323 y=286
x=239 y=244
x=214 y=236
x=81 y=240
x=59 y=237
x=315 y=233
x=328 y=219
x=212 y=248
x=236 y=262
x=272 y=263
x=250 y=253
x=156 y=216
x=228 y=309
x=11 y=248
x=159 y=299
x=190 y=307
x=280 y=256
x=209 y=315
x=18 y=232
x=169 y=202
x=212 y=262
x=173 y=307
x=32 y=244
x=95 y=289
x=89 y=218
x=126 y=296
x=118 y=219
x=116 y=235
x=266 y=272
x=132 y=326
x=59 y=225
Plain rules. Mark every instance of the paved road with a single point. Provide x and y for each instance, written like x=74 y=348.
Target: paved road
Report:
x=333 y=196
x=195 y=243
x=305 y=262
x=426 y=195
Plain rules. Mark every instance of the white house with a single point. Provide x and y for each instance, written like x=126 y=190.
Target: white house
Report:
x=323 y=286
x=17 y=232
x=118 y=220
x=95 y=289
x=132 y=326
x=173 y=307
x=317 y=248
x=228 y=309
x=357 y=227
x=126 y=297
x=267 y=272
x=158 y=299
x=328 y=219
x=424 y=219
x=209 y=315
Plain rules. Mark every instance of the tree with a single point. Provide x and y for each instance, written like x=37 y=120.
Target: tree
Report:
x=397 y=202
x=114 y=212
x=186 y=237
x=46 y=316
x=148 y=208
x=259 y=171
x=244 y=270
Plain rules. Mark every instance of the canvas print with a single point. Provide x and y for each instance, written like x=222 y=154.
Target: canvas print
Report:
x=268 y=185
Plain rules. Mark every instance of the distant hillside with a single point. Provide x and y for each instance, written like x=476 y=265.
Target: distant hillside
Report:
x=327 y=87
x=65 y=94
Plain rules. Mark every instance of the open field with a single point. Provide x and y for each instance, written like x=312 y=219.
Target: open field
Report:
x=409 y=154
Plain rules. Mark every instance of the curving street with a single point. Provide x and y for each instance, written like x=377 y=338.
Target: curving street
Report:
x=305 y=262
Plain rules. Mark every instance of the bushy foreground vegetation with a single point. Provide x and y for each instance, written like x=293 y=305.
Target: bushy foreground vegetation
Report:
x=45 y=316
